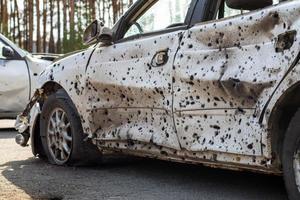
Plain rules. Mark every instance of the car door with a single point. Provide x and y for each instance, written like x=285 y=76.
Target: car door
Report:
x=226 y=70
x=131 y=81
x=14 y=84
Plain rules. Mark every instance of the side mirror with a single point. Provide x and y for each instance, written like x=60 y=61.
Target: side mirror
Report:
x=8 y=52
x=97 y=32
x=248 y=4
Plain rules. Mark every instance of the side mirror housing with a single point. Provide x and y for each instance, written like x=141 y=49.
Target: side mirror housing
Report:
x=8 y=52
x=248 y=4
x=97 y=32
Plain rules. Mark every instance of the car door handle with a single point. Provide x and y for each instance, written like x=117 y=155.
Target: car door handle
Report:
x=160 y=58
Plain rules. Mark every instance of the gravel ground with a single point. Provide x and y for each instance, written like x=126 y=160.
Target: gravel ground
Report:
x=25 y=177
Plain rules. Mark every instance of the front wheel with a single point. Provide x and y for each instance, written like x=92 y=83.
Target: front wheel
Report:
x=62 y=135
x=291 y=158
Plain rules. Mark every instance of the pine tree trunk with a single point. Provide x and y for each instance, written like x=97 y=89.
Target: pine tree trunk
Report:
x=115 y=10
x=4 y=18
x=13 y=21
x=25 y=25
x=51 y=41
x=72 y=23
x=38 y=26
x=45 y=25
x=65 y=31
x=103 y=10
x=58 y=44
x=87 y=17
x=1 y=14
x=92 y=9
x=99 y=10
x=30 y=12
x=18 y=23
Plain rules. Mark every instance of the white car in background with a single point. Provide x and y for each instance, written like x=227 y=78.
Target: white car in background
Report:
x=18 y=75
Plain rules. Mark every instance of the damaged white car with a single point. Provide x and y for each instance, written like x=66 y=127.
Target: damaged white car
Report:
x=18 y=77
x=196 y=81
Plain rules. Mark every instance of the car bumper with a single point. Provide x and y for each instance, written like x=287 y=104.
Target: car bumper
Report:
x=26 y=121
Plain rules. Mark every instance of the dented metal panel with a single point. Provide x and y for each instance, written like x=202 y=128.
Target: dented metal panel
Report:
x=232 y=66
x=130 y=96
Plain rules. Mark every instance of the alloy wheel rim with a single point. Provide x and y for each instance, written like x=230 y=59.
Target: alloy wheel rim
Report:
x=59 y=136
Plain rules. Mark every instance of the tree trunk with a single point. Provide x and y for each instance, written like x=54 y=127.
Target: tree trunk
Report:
x=38 y=26
x=13 y=21
x=30 y=12
x=1 y=14
x=115 y=10
x=92 y=9
x=65 y=31
x=18 y=23
x=4 y=18
x=72 y=23
x=103 y=10
x=45 y=25
x=99 y=9
x=87 y=16
x=51 y=41
x=25 y=35
x=58 y=44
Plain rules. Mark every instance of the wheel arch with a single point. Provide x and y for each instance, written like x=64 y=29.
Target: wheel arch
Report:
x=284 y=109
x=36 y=144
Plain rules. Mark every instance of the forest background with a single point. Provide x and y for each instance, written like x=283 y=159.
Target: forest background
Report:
x=55 y=26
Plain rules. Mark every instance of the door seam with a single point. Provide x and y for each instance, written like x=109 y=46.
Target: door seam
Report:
x=172 y=84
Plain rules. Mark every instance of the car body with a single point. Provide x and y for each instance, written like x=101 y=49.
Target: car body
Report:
x=220 y=92
x=18 y=77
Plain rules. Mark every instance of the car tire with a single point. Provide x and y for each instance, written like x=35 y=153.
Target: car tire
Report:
x=291 y=158
x=62 y=135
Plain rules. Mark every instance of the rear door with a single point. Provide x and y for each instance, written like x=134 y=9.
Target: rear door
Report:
x=226 y=70
x=131 y=81
x=14 y=84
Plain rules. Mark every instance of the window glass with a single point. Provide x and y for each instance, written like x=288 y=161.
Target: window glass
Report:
x=163 y=14
x=228 y=12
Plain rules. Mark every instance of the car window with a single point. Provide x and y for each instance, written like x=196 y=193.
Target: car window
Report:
x=163 y=14
x=229 y=12
x=1 y=47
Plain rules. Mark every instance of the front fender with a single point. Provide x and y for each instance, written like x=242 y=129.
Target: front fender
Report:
x=70 y=74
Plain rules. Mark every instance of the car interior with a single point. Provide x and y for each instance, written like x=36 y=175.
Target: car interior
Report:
x=153 y=17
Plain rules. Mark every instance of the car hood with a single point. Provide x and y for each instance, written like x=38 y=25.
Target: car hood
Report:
x=37 y=65
x=47 y=56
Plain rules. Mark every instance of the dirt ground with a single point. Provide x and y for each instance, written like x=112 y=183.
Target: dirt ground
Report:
x=25 y=177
